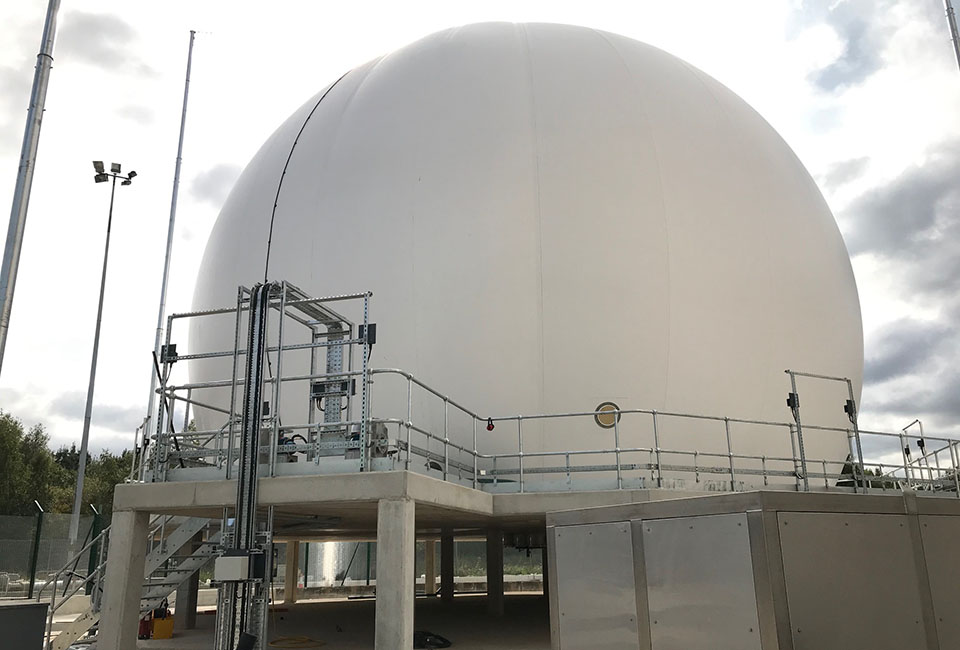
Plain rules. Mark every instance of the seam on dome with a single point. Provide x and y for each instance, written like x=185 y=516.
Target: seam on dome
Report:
x=702 y=79
x=536 y=159
x=666 y=221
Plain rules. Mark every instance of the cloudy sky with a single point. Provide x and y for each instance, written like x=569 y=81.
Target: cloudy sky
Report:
x=865 y=91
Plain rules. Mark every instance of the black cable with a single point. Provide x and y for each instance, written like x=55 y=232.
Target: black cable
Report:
x=276 y=199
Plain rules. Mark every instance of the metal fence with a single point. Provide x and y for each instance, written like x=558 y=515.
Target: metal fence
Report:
x=21 y=548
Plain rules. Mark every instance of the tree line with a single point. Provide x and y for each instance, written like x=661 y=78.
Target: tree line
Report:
x=30 y=470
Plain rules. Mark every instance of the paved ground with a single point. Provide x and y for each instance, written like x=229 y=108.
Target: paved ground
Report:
x=348 y=624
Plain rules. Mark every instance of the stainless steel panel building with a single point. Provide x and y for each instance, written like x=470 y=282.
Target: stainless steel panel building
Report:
x=758 y=570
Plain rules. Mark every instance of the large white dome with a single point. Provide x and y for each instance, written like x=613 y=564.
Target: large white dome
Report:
x=551 y=217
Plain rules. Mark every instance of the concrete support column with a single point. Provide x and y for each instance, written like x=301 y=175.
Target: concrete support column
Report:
x=430 y=567
x=124 y=580
x=185 y=613
x=495 y=572
x=291 y=572
x=396 y=552
x=446 y=566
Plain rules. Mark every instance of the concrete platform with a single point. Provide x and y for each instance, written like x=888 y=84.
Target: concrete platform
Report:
x=349 y=624
x=344 y=506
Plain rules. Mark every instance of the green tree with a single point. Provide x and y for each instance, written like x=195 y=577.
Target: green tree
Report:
x=30 y=471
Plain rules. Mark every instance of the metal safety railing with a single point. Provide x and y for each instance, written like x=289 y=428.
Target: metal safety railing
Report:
x=419 y=428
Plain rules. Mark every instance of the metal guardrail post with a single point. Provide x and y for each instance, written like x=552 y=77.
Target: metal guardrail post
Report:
x=409 y=419
x=906 y=462
x=616 y=442
x=793 y=451
x=446 y=439
x=520 y=445
x=852 y=414
x=476 y=454
x=795 y=410
x=955 y=461
x=656 y=445
x=35 y=552
x=733 y=475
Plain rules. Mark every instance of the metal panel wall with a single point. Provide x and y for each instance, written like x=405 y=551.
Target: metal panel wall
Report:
x=851 y=581
x=596 y=596
x=700 y=584
x=940 y=536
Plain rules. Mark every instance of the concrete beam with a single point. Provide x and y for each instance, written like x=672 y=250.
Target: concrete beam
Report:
x=291 y=572
x=124 y=581
x=430 y=567
x=446 y=566
x=396 y=546
x=305 y=490
x=495 y=572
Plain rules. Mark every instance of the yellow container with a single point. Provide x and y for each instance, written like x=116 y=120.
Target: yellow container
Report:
x=163 y=628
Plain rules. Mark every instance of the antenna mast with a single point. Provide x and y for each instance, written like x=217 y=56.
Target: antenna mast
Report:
x=28 y=162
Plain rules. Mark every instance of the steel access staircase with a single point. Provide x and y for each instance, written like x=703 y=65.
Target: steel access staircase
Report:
x=164 y=572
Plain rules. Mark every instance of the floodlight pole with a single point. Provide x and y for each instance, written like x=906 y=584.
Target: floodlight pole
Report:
x=28 y=159
x=88 y=410
x=151 y=403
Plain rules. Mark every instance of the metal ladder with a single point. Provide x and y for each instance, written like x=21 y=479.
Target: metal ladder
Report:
x=164 y=572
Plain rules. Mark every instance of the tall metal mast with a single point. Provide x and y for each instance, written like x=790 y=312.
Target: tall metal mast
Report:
x=151 y=406
x=28 y=159
x=954 y=35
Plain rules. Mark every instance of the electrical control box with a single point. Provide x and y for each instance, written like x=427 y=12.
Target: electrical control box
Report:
x=231 y=568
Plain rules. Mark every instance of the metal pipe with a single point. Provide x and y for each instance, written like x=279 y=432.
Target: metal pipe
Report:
x=954 y=34
x=173 y=217
x=28 y=159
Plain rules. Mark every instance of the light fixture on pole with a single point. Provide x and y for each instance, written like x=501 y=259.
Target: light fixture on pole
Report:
x=101 y=176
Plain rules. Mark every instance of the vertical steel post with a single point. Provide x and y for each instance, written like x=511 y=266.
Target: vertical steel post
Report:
x=476 y=453
x=28 y=160
x=446 y=439
x=793 y=451
x=616 y=443
x=170 y=227
x=94 y=551
x=520 y=441
x=953 y=465
x=656 y=444
x=233 y=386
x=35 y=553
x=365 y=379
x=796 y=418
x=406 y=464
x=275 y=413
x=856 y=434
x=906 y=461
x=733 y=475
